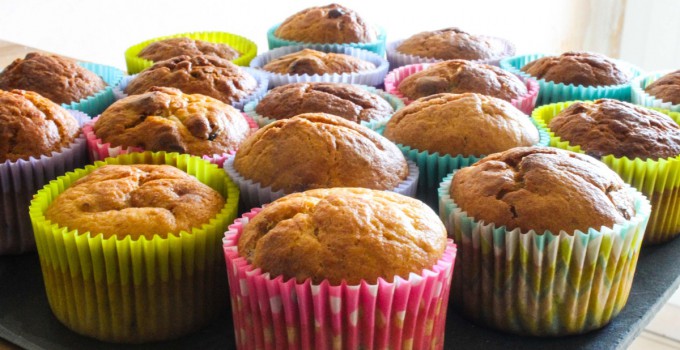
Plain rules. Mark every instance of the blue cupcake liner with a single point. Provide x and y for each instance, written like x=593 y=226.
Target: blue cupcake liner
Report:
x=377 y=46
x=97 y=103
x=641 y=97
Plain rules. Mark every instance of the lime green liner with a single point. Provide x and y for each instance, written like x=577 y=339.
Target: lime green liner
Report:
x=97 y=103
x=246 y=48
x=134 y=291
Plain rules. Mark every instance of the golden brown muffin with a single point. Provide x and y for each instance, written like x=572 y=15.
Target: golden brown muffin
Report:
x=541 y=188
x=206 y=75
x=452 y=43
x=58 y=78
x=326 y=24
x=459 y=76
x=173 y=47
x=316 y=62
x=32 y=126
x=577 y=68
x=666 y=88
x=344 y=100
x=466 y=124
x=619 y=128
x=135 y=201
x=349 y=234
x=317 y=150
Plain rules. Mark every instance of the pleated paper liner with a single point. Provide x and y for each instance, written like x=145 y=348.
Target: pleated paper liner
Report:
x=246 y=48
x=542 y=284
x=399 y=59
x=134 y=291
x=641 y=97
x=271 y=313
x=551 y=92
x=20 y=179
x=659 y=180
x=395 y=77
x=377 y=46
x=97 y=103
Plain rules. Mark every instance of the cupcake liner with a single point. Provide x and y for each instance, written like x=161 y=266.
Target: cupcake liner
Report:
x=97 y=103
x=254 y=195
x=395 y=77
x=270 y=312
x=19 y=180
x=377 y=46
x=373 y=77
x=551 y=92
x=659 y=180
x=641 y=97
x=542 y=284
x=398 y=59
x=133 y=291
x=247 y=48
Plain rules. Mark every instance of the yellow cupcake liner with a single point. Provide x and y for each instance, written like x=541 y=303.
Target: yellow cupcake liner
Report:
x=134 y=291
x=659 y=179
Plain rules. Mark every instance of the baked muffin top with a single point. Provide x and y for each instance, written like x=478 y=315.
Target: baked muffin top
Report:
x=459 y=76
x=165 y=119
x=526 y=187
x=344 y=100
x=206 y=75
x=173 y=47
x=349 y=234
x=666 y=88
x=57 y=78
x=31 y=126
x=135 y=200
x=326 y=24
x=619 y=128
x=317 y=150
x=577 y=68
x=312 y=62
x=452 y=43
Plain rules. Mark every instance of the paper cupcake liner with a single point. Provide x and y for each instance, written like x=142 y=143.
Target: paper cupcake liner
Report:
x=247 y=48
x=551 y=92
x=270 y=313
x=373 y=77
x=254 y=195
x=641 y=97
x=659 y=180
x=395 y=77
x=97 y=103
x=398 y=59
x=21 y=179
x=542 y=284
x=377 y=46
x=133 y=291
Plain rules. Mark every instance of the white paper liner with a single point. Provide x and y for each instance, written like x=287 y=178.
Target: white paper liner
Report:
x=398 y=59
x=640 y=97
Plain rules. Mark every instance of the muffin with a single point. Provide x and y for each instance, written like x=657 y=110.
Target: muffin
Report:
x=452 y=43
x=666 y=88
x=326 y=24
x=313 y=62
x=183 y=46
x=578 y=68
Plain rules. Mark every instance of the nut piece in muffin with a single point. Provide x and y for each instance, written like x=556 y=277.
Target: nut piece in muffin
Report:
x=618 y=128
x=666 y=88
x=135 y=201
x=452 y=43
x=32 y=126
x=173 y=47
x=319 y=150
x=313 y=62
x=58 y=78
x=326 y=24
x=541 y=188
x=344 y=234
x=206 y=75
x=461 y=124
x=344 y=100
x=165 y=119
x=577 y=68
x=459 y=76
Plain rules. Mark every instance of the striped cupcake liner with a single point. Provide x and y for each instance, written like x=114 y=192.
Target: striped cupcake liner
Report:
x=641 y=97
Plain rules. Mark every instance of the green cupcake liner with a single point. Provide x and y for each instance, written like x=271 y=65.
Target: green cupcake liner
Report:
x=377 y=46
x=97 y=103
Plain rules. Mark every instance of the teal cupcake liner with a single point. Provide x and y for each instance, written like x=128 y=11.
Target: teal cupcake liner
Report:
x=641 y=97
x=377 y=46
x=97 y=103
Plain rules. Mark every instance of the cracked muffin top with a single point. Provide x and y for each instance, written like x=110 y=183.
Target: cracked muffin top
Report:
x=349 y=234
x=666 y=88
x=135 y=200
x=57 y=78
x=618 y=128
x=317 y=150
x=326 y=25
x=452 y=43
x=526 y=186
x=313 y=62
x=173 y=47
x=31 y=126
x=577 y=68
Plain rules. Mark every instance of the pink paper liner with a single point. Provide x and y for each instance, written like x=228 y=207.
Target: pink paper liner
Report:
x=525 y=104
x=276 y=314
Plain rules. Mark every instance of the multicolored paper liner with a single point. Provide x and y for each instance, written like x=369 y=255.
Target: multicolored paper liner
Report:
x=97 y=103
x=271 y=313
x=399 y=59
x=377 y=46
x=542 y=284
x=659 y=179
x=551 y=92
x=134 y=291
x=395 y=77
x=640 y=97
x=245 y=47
x=20 y=179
